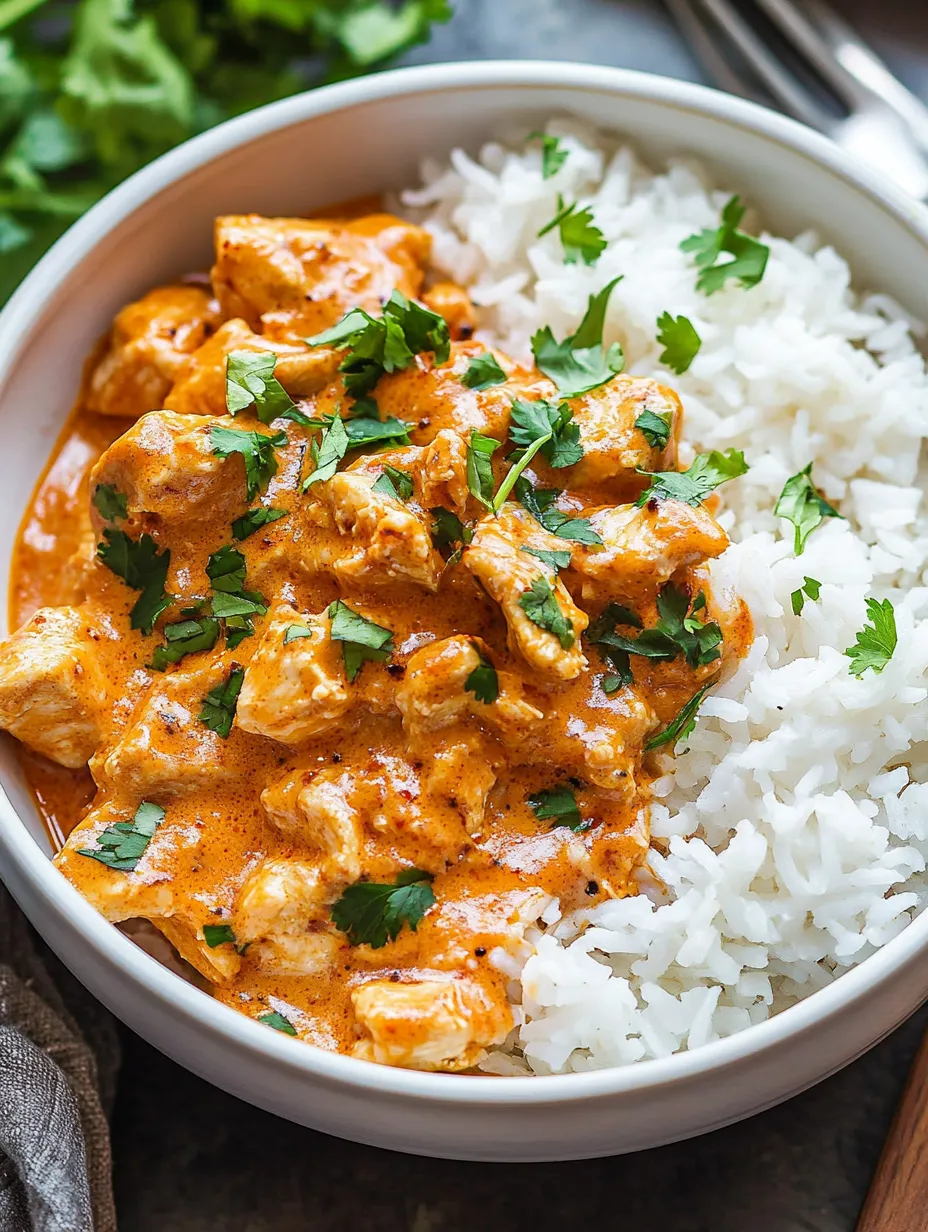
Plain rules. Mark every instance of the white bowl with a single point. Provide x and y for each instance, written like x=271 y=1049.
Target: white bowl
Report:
x=333 y=144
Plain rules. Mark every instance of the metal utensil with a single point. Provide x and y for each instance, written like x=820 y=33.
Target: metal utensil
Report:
x=828 y=78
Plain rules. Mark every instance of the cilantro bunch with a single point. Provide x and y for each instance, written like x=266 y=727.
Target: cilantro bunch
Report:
x=91 y=90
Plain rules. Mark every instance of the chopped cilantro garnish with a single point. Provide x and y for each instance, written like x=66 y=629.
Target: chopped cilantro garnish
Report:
x=550 y=427
x=480 y=450
x=292 y=632
x=226 y=569
x=276 y=1020
x=540 y=605
x=184 y=637
x=364 y=430
x=655 y=428
x=111 y=504
x=386 y=344
x=483 y=372
x=250 y=381
x=706 y=472
x=123 y=844
x=327 y=452
x=748 y=255
x=810 y=589
x=613 y=646
x=242 y=603
x=483 y=681
x=254 y=520
x=559 y=806
x=684 y=724
x=581 y=238
x=142 y=567
x=678 y=630
x=371 y=913
x=540 y=504
x=876 y=641
x=578 y=363
x=218 y=934
x=553 y=154
x=219 y=703
x=447 y=528
x=553 y=559
x=395 y=483
x=361 y=639
x=257 y=450
x=680 y=341
x=801 y=503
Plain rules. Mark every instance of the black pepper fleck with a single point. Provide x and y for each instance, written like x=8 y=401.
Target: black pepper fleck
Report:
x=480 y=952
x=592 y=887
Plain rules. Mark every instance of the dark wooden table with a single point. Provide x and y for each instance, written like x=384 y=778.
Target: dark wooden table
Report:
x=192 y=1159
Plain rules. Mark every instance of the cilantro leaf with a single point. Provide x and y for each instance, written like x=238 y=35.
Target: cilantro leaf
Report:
x=363 y=430
x=447 y=528
x=655 y=429
x=553 y=155
x=748 y=255
x=219 y=703
x=801 y=503
x=559 y=806
x=540 y=605
x=184 y=637
x=678 y=630
x=123 y=844
x=395 y=483
x=327 y=452
x=553 y=426
x=371 y=913
x=389 y=343
x=142 y=567
x=685 y=722
x=293 y=632
x=483 y=681
x=254 y=520
x=613 y=646
x=680 y=341
x=226 y=569
x=242 y=603
x=581 y=238
x=218 y=934
x=706 y=472
x=540 y=504
x=810 y=588
x=257 y=450
x=483 y=372
x=250 y=381
x=553 y=559
x=876 y=641
x=111 y=505
x=361 y=639
x=277 y=1020
x=480 y=450
x=578 y=363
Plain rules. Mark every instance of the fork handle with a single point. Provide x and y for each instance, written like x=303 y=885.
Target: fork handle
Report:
x=898 y=1196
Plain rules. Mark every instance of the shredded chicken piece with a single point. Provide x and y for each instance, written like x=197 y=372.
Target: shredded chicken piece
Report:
x=314 y=808
x=277 y=910
x=612 y=445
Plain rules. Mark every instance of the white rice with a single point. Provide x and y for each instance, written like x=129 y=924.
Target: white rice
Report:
x=792 y=837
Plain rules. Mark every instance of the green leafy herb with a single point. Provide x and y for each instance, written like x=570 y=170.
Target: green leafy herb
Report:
x=254 y=520
x=219 y=703
x=230 y=601
x=801 y=503
x=540 y=605
x=218 y=934
x=250 y=381
x=540 y=504
x=184 y=637
x=748 y=255
x=226 y=569
x=276 y=1020
x=480 y=450
x=483 y=681
x=389 y=343
x=371 y=913
x=578 y=363
x=553 y=154
x=327 y=452
x=257 y=450
x=361 y=639
x=395 y=483
x=655 y=428
x=810 y=588
x=684 y=724
x=292 y=632
x=613 y=646
x=142 y=567
x=363 y=431
x=680 y=341
x=581 y=238
x=447 y=528
x=550 y=428
x=483 y=372
x=679 y=630
x=876 y=641
x=706 y=472
x=111 y=505
x=559 y=806
x=123 y=844
x=553 y=559
x=242 y=603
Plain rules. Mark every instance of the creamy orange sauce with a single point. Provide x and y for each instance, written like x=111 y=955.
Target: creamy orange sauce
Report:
x=469 y=824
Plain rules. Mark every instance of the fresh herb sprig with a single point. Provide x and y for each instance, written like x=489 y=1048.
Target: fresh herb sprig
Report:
x=748 y=256
x=582 y=240
x=706 y=472
x=143 y=567
x=121 y=845
x=578 y=363
x=361 y=638
x=372 y=913
x=803 y=505
x=876 y=642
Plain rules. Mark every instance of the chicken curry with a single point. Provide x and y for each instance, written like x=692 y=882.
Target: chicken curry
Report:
x=346 y=644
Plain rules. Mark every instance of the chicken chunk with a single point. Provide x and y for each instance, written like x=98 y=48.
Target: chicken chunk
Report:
x=293 y=689
x=282 y=909
x=314 y=809
x=443 y=1025
x=166 y=751
x=165 y=466
x=434 y=692
x=454 y=304
x=148 y=348
x=53 y=695
x=612 y=445
x=294 y=277
x=508 y=574
x=381 y=539
x=643 y=548
x=609 y=745
x=201 y=389
x=438 y=470
x=460 y=770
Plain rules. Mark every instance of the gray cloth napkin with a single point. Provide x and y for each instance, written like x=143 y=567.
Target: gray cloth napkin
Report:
x=59 y=1053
